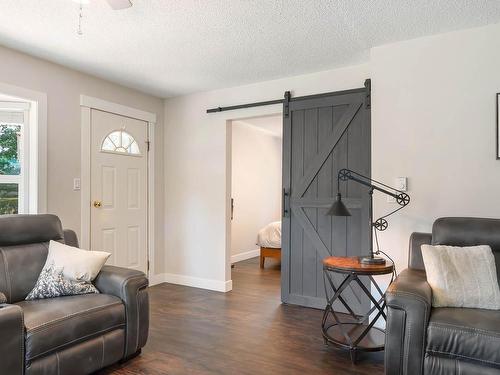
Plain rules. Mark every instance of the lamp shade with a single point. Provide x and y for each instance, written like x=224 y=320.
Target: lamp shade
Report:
x=338 y=208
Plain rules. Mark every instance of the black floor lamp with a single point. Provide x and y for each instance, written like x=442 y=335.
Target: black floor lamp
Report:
x=338 y=208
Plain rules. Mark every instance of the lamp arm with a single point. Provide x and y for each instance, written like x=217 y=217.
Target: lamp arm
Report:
x=380 y=224
x=396 y=196
x=346 y=174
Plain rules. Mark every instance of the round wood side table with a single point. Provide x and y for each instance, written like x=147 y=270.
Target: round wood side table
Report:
x=356 y=334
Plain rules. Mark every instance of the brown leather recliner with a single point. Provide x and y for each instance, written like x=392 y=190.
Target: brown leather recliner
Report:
x=63 y=335
x=421 y=339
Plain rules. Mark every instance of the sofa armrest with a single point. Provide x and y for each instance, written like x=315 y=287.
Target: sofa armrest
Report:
x=409 y=300
x=70 y=238
x=131 y=287
x=12 y=342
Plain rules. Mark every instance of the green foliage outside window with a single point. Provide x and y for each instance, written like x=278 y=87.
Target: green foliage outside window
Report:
x=9 y=161
x=9 y=194
x=9 y=165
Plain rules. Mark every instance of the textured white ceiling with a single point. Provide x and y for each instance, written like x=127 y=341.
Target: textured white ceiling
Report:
x=173 y=47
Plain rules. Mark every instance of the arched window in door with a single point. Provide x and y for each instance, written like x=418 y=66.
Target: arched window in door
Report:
x=120 y=142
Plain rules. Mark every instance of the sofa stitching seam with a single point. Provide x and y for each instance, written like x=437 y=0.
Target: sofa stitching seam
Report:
x=423 y=339
x=405 y=351
x=103 y=351
x=138 y=320
x=407 y=294
x=83 y=338
x=138 y=306
x=409 y=325
x=402 y=353
x=432 y=351
x=465 y=329
x=123 y=293
x=66 y=317
x=22 y=336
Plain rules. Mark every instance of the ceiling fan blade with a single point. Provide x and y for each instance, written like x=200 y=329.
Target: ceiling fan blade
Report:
x=119 y=4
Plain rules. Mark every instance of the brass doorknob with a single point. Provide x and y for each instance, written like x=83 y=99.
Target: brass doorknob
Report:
x=97 y=204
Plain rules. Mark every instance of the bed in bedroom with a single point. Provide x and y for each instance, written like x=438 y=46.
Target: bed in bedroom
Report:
x=269 y=240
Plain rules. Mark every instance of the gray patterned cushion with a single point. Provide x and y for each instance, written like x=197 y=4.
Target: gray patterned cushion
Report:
x=51 y=283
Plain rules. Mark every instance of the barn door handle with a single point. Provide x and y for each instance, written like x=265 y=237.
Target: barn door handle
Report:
x=286 y=202
x=232 y=208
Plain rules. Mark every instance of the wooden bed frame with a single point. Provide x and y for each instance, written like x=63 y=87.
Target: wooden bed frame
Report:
x=269 y=252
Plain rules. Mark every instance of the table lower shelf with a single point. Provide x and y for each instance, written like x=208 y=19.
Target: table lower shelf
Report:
x=372 y=342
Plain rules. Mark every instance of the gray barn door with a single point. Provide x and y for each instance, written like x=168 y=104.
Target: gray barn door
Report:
x=322 y=134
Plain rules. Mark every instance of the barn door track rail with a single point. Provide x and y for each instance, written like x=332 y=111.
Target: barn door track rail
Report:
x=288 y=98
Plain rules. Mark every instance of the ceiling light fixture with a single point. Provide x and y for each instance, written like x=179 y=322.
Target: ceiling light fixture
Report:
x=114 y=4
x=119 y=4
x=80 y=16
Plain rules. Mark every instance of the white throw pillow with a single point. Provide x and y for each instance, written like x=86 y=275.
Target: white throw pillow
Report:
x=462 y=276
x=76 y=264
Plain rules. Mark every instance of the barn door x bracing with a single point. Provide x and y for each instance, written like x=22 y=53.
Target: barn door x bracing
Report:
x=323 y=134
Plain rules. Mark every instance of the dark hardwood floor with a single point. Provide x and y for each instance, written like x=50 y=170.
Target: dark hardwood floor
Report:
x=245 y=331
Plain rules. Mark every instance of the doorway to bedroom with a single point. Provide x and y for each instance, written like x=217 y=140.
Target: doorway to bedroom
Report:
x=256 y=194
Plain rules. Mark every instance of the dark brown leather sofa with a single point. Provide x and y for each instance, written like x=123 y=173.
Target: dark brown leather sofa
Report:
x=445 y=341
x=64 y=335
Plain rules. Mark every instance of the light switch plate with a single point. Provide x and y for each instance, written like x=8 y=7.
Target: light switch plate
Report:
x=77 y=184
x=401 y=183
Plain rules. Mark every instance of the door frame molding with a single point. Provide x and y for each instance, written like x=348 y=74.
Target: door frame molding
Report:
x=37 y=185
x=87 y=103
x=228 y=118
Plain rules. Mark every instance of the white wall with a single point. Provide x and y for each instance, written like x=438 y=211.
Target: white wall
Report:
x=255 y=185
x=433 y=120
x=63 y=87
x=433 y=114
x=196 y=160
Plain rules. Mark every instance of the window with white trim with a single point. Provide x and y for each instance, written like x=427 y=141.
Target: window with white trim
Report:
x=14 y=157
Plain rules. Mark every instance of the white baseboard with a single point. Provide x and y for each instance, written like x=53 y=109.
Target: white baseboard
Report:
x=195 y=282
x=244 y=256
x=156 y=279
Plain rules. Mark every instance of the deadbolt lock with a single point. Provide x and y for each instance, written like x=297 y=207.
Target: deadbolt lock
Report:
x=97 y=204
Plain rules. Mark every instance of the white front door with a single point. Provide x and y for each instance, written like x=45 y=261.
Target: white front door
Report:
x=119 y=175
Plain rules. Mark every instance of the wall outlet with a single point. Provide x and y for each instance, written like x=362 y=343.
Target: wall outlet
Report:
x=77 y=184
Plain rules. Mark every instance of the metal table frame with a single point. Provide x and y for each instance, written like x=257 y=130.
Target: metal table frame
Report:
x=351 y=344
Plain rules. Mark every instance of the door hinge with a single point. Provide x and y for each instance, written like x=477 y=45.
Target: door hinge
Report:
x=148 y=266
x=148 y=145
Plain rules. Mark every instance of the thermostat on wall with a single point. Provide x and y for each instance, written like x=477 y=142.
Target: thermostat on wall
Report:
x=400 y=183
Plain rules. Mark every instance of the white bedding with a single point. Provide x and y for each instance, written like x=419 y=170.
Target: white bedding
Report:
x=270 y=235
